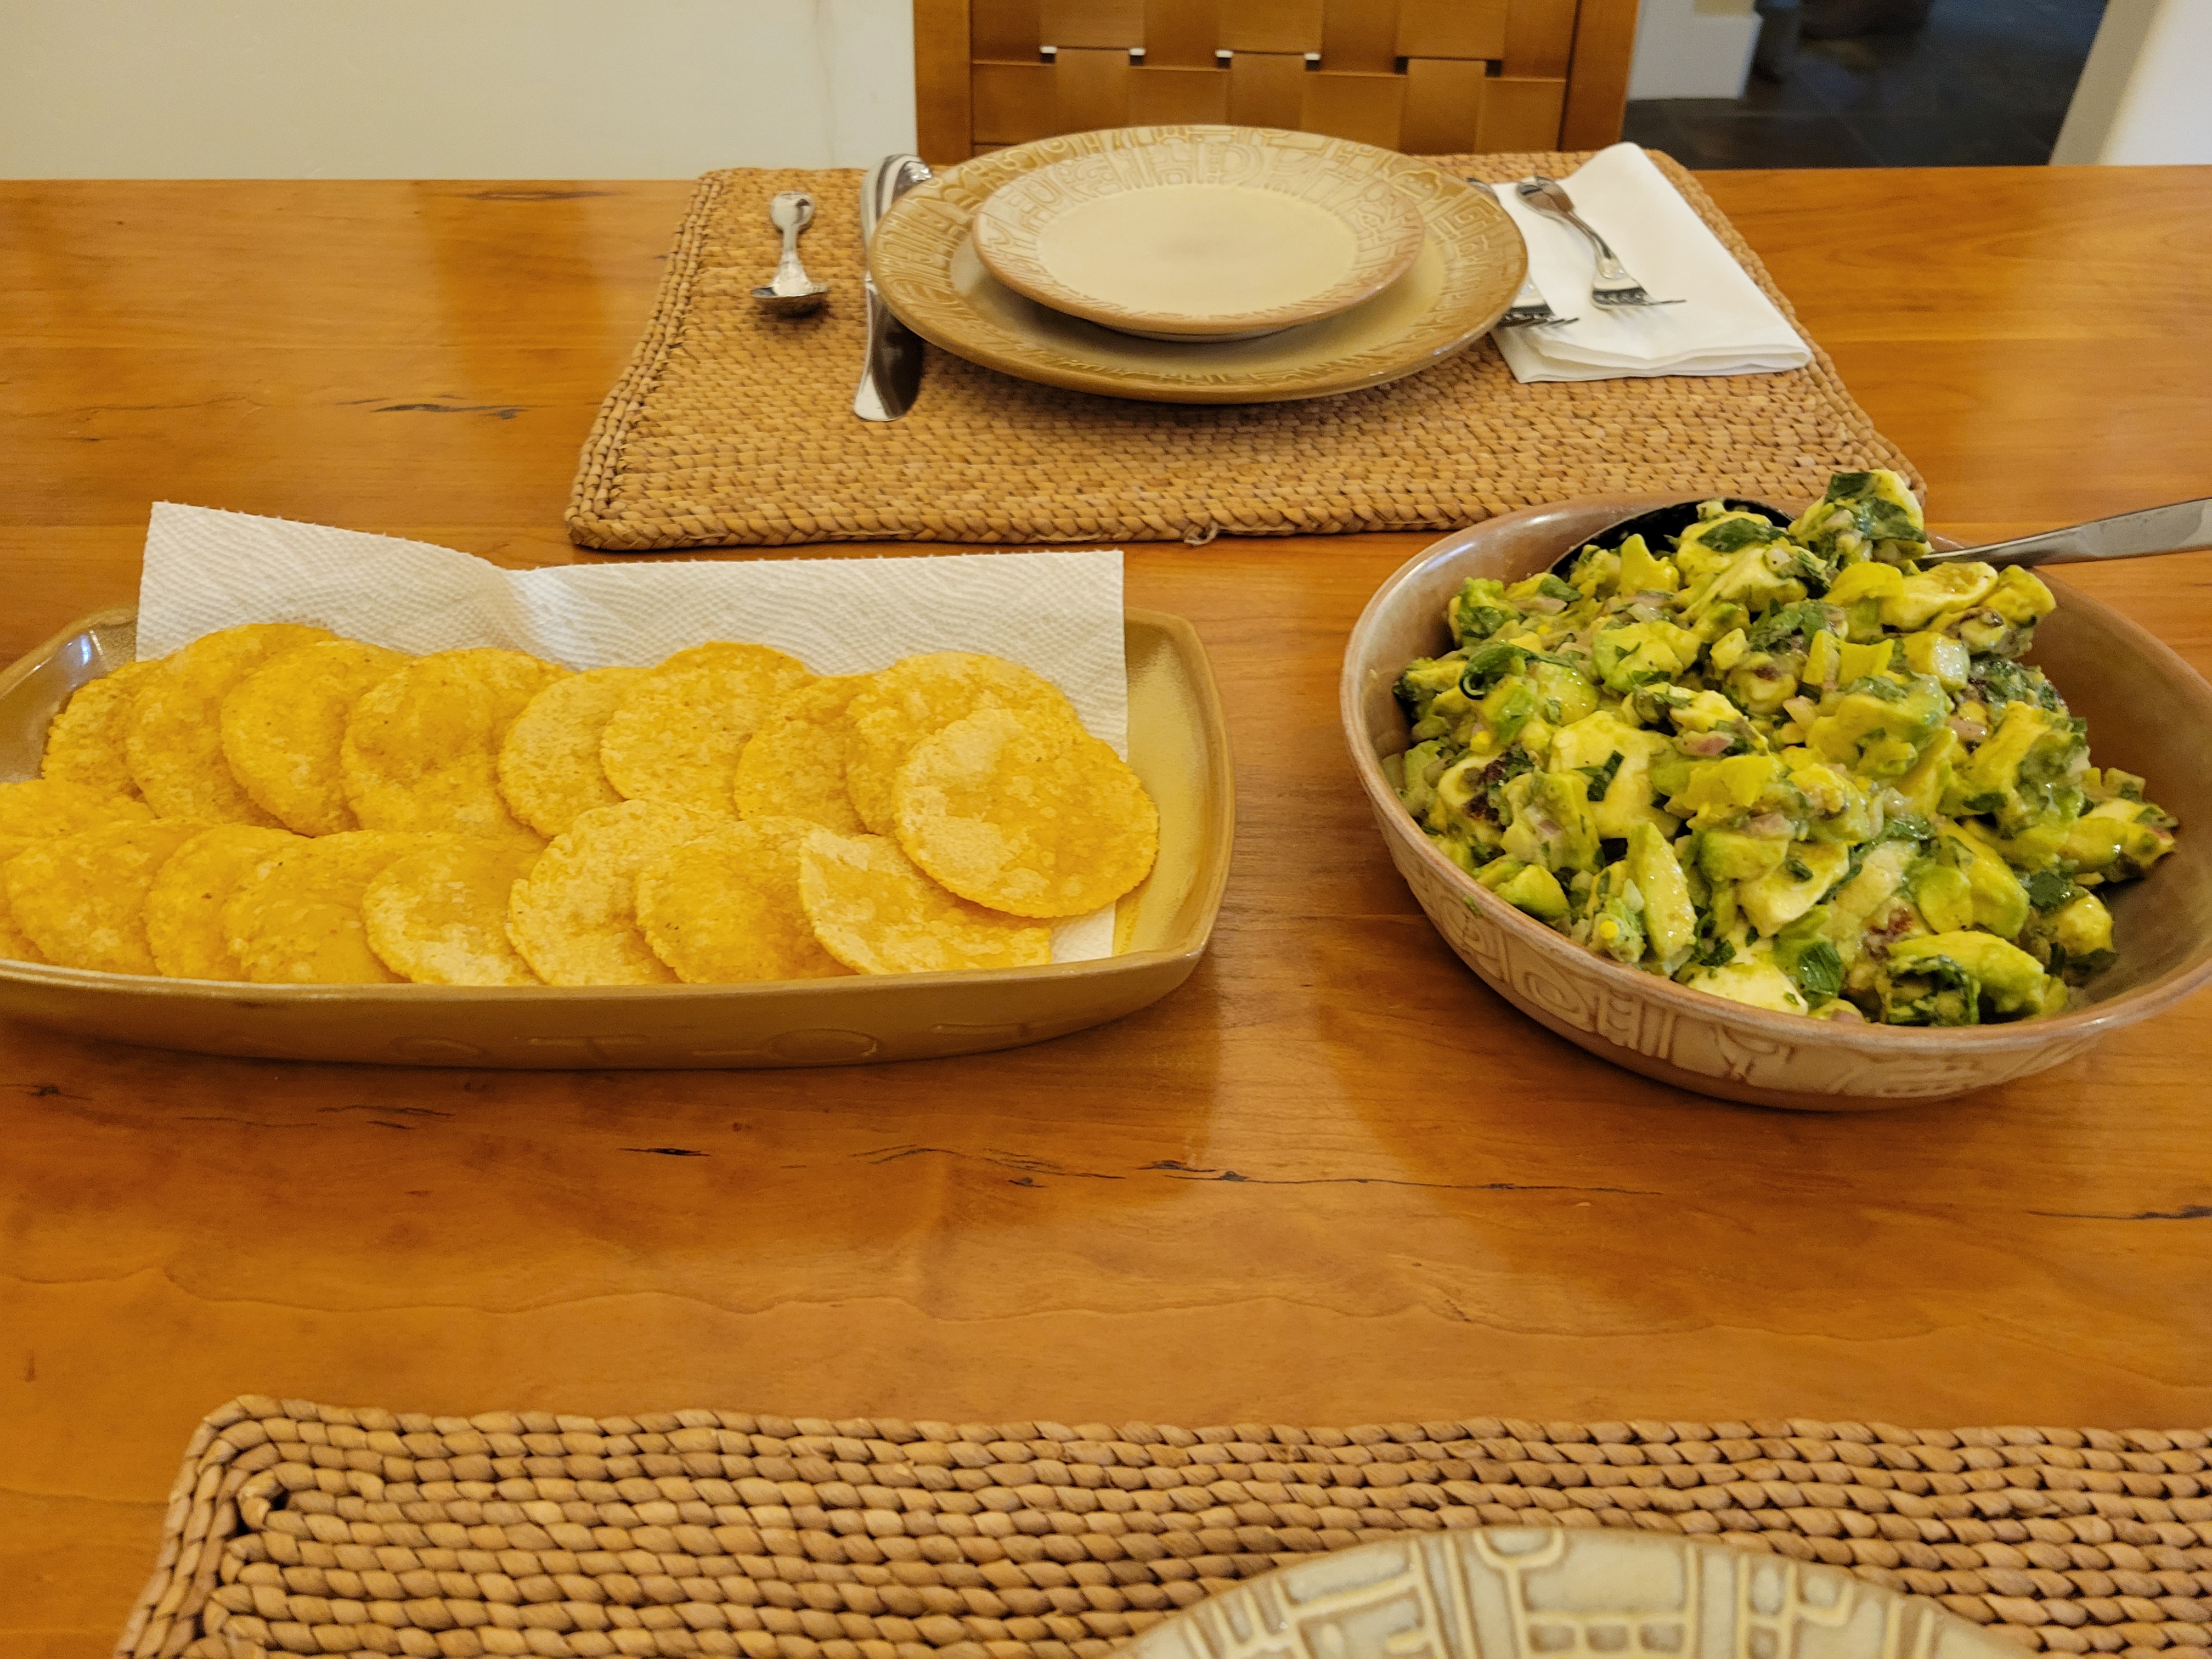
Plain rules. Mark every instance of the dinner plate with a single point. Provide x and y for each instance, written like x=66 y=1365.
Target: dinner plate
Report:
x=925 y=267
x=1555 y=1592
x=1202 y=236
x=1177 y=744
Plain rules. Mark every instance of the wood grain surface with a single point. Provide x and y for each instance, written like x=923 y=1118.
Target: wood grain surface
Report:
x=1333 y=1179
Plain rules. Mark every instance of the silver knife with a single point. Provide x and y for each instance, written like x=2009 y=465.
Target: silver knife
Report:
x=1529 y=308
x=891 y=374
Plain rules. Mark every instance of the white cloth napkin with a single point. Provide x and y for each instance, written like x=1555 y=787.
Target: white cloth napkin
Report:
x=1058 y=613
x=1726 y=325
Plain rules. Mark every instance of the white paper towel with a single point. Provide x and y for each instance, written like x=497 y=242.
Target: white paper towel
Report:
x=1058 y=613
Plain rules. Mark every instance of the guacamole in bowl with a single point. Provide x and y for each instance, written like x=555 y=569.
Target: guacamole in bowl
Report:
x=1785 y=764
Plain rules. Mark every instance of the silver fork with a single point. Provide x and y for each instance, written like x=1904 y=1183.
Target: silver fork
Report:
x=1612 y=286
x=1530 y=309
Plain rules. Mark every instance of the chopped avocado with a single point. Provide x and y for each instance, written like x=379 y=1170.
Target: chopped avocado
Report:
x=1779 y=897
x=1641 y=653
x=1939 y=657
x=2022 y=766
x=1511 y=705
x=1566 y=692
x=1866 y=895
x=1948 y=586
x=1867 y=582
x=1552 y=823
x=2010 y=979
x=1946 y=903
x=1864 y=662
x=2020 y=596
x=1422 y=765
x=1622 y=797
x=1761 y=682
x=1751 y=977
x=1878 y=727
x=1535 y=890
x=2000 y=901
x=1922 y=789
x=1616 y=915
x=1729 y=855
x=2112 y=833
x=1669 y=919
x=1803 y=950
x=2084 y=926
x=1721 y=788
x=1823 y=669
x=1479 y=609
x=1642 y=573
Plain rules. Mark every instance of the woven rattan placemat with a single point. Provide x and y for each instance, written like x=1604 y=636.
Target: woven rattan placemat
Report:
x=730 y=427
x=303 y=1528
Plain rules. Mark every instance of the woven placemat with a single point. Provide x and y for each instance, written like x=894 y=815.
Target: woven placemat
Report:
x=296 y=1527
x=733 y=427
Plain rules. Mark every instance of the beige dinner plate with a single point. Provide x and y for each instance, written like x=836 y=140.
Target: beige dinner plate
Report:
x=925 y=267
x=1213 y=234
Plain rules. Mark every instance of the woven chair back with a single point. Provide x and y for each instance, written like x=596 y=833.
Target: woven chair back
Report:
x=1423 y=77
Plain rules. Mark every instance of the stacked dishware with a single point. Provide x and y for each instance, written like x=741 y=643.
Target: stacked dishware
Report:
x=1198 y=263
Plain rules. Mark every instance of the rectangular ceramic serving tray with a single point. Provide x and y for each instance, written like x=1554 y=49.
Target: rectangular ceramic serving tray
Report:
x=1177 y=744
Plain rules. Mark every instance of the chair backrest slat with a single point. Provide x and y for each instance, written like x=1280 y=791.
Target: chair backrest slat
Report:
x=1427 y=76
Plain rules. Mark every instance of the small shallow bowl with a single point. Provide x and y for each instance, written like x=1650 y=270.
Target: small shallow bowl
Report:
x=1561 y=1593
x=2148 y=712
x=1177 y=745
x=1222 y=234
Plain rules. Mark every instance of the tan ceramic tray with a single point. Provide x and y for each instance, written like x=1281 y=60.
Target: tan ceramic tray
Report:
x=1177 y=744
x=925 y=265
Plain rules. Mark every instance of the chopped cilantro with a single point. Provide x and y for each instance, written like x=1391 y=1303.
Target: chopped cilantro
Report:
x=1600 y=777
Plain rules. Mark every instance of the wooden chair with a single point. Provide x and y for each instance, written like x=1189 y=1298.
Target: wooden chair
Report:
x=1425 y=76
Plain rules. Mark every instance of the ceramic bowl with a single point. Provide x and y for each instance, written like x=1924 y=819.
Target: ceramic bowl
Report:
x=2148 y=712
x=1561 y=1593
x=1222 y=235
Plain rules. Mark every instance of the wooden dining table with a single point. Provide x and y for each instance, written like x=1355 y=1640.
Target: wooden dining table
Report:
x=1333 y=1179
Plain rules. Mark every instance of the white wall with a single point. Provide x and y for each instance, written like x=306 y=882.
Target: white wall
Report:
x=449 y=88
x=2142 y=96
x=1693 y=49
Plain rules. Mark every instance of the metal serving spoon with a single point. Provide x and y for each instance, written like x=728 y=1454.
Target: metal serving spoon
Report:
x=791 y=292
x=2179 y=527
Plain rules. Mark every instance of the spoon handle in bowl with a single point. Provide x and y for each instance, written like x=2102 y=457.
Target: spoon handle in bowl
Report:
x=2176 y=528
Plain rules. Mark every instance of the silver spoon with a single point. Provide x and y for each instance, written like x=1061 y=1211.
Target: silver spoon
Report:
x=2179 y=527
x=791 y=292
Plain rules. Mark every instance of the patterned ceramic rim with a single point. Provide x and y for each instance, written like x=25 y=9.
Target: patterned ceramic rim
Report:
x=912 y=258
x=1576 y=1592
x=1386 y=227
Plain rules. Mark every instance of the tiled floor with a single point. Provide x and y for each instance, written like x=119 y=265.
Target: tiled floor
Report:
x=1984 y=83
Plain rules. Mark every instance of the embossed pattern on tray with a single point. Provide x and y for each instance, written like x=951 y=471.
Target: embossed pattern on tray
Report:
x=1320 y=176
x=299 y=1528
